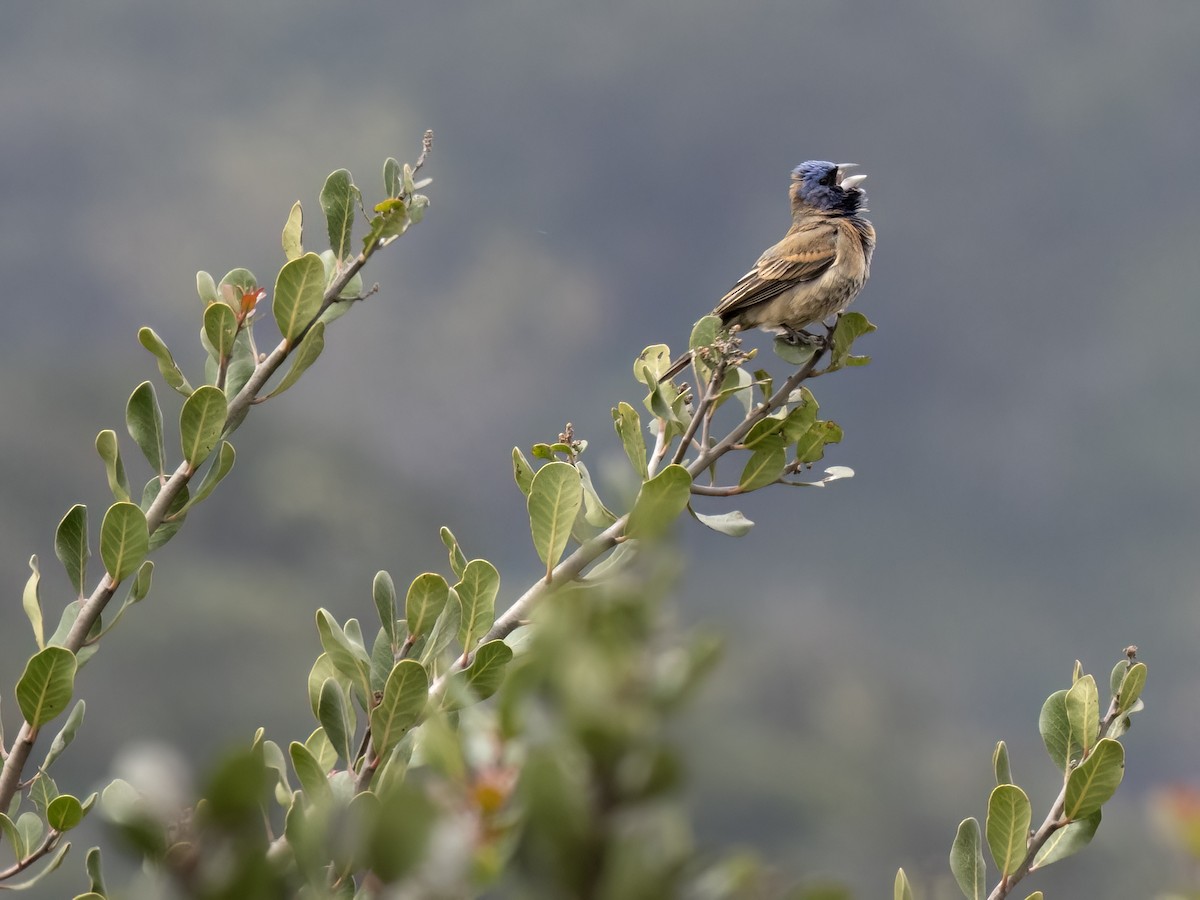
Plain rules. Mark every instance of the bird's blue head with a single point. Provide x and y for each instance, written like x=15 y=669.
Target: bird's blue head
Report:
x=827 y=186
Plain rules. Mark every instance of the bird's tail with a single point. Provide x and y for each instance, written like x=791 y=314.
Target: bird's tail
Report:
x=676 y=367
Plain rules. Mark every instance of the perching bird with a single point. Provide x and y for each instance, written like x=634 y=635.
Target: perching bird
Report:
x=816 y=270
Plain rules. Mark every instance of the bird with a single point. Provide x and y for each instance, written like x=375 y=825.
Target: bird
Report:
x=816 y=270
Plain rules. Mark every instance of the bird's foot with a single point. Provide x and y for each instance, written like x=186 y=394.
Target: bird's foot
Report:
x=800 y=337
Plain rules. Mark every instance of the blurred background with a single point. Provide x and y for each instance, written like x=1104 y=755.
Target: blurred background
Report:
x=1023 y=441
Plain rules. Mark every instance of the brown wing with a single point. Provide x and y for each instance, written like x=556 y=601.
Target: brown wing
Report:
x=807 y=251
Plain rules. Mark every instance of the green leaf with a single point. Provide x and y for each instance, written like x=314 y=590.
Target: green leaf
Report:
x=383 y=592
x=322 y=668
x=481 y=678
x=44 y=689
x=71 y=546
x=393 y=186
x=207 y=288
x=65 y=736
x=166 y=362
x=1000 y=764
x=445 y=630
x=299 y=292
x=765 y=465
x=795 y=354
x=1093 y=782
x=1131 y=687
x=216 y=472
x=424 y=602
x=311 y=347
x=310 y=774
x=339 y=198
x=242 y=364
x=1007 y=827
x=124 y=540
x=293 y=232
x=477 y=593
x=110 y=453
x=595 y=513
x=404 y=697
x=731 y=523
x=335 y=717
x=1066 y=841
x=32 y=603
x=522 y=471
x=392 y=218
x=144 y=419
x=555 y=496
x=659 y=503
x=95 y=873
x=201 y=422
x=458 y=562
x=650 y=365
x=220 y=327
x=64 y=812
x=1083 y=712
x=1055 y=726
x=850 y=326
x=901 y=890
x=966 y=860
x=628 y=425
x=347 y=657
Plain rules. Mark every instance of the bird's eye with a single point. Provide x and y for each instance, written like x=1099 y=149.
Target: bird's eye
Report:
x=826 y=180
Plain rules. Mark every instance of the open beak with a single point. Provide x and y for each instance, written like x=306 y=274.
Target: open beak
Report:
x=849 y=182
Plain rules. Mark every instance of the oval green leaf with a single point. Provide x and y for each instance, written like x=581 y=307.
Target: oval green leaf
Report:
x=144 y=419
x=1055 y=727
x=32 y=603
x=201 y=423
x=966 y=860
x=477 y=592
x=555 y=496
x=310 y=774
x=220 y=327
x=339 y=198
x=732 y=523
x=1131 y=687
x=901 y=890
x=65 y=735
x=45 y=688
x=424 y=602
x=458 y=561
x=293 y=232
x=481 y=679
x=71 y=546
x=1093 y=782
x=1083 y=712
x=659 y=503
x=110 y=453
x=1007 y=826
x=1066 y=841
x=522 y=471
x=124 y=540
x=299 y=292
x=628 y=425
x=383 y=592
x=167 y=366
x=346 y=656
x=64 y=812
x=404 y=697
x=335 y=717
x=1000 y=765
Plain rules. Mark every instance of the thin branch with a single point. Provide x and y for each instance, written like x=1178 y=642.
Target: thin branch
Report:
x=238 y=408
x=21 y=865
